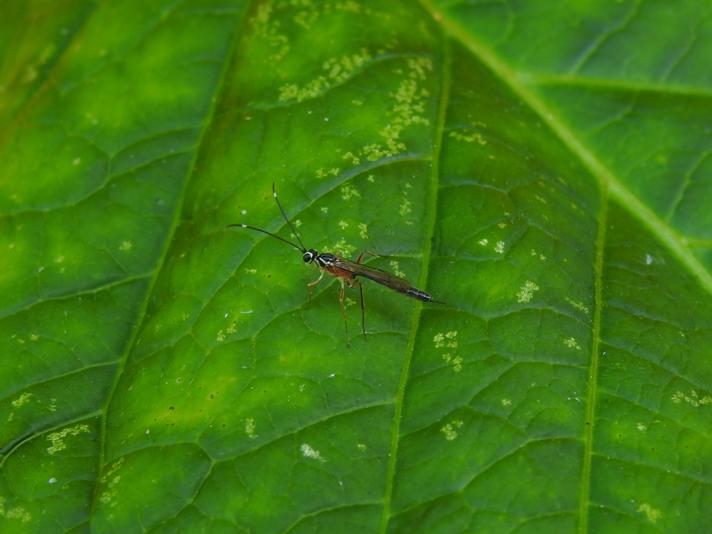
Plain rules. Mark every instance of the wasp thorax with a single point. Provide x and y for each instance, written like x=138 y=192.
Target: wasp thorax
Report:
x=309 y=255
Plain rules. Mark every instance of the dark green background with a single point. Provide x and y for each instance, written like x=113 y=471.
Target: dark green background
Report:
x=542 y=167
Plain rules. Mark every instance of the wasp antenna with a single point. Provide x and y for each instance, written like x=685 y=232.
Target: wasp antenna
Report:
x=284 y=215
x=241 y=225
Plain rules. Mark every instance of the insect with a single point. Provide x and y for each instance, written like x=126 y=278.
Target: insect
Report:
x=346 y=271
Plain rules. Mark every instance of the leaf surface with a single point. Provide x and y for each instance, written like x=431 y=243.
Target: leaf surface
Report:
x=543 y=170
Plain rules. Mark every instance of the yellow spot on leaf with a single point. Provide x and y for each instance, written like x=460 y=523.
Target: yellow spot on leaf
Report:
x=693 y=399
x=572 y=343
x=395 y=266
x=57 y=439
x=469 y=138
x=363 y=230
x=348 y=192
x=450 y=429
x=250 y=428
x=15 y=512
x=22 y=400
x=309 y=452
x=526 y=292
x=651 y=514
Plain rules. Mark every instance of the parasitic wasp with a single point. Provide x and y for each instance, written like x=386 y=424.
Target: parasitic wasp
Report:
x=346 y=271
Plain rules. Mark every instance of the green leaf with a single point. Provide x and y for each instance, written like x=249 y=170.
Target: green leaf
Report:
x=542 y=169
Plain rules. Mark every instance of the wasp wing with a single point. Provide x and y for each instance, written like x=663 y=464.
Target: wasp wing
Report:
x=382 y=277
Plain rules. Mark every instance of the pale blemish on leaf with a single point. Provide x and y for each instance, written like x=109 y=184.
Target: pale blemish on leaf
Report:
x=526 y=292
x=651 y=514
x=15 y=512
x=450 y=429
x=309 y=452
x=343 y=225
x=693 y=399
x=407 y=110
x=370 y=178
x=409 y=106
x=268 y=30
x=405 y=208
x=335 y=71
x=445 y=339
x=455 y=362
x=22 y=400
x=361 y=447
x=506 y=402
x=571 y=343
x=648 y=259
x=363 y=230
x=468 y=138
x=448 y=340
x=58 y=439
x=539 y=254
x=348 y=192
x=642 y=427
x=395 y=267
x=499 y=247
x=323 y=173
x=343 y=248
x=228 y=331
x=483 y=242
x=325 y=209
x=111 y=479
x=125 y=246
x=353 y=158
x=580 y=306
x=250 y=428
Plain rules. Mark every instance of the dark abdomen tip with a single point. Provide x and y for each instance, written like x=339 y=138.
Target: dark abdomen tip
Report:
x=418 y=294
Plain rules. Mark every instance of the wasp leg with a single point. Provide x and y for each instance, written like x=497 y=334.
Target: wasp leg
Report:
x=312 y=284
x=343 y=310
x=363 y=311
x=360 y=256
x=352 y=282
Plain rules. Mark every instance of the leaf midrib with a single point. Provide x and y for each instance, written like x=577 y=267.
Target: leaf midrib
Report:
x=214 y=103
x=592 y=386
x=422 y=283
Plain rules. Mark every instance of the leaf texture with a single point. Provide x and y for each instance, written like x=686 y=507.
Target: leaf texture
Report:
x=541 y=168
